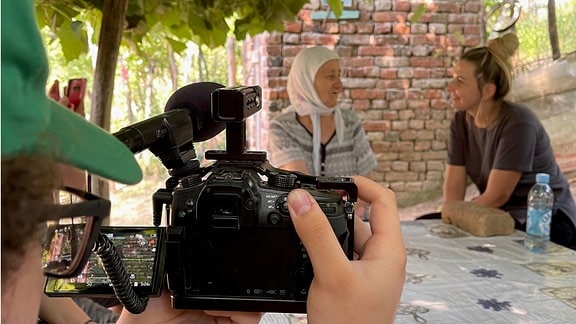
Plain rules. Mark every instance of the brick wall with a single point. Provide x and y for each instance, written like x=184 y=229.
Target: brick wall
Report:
x=395 y=72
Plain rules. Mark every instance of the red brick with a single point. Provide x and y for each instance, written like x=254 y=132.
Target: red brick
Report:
x=319 y=39
x=382 y=28
x=401 y=5
x=277 y=83
x=443 y=6
x=390 y=115
x=439 y=104
x=331 y=28
x=365 y=28
x=432 y=93
x=356 y=72
x=393 y=84
x=389 y=16
x=375 y=51
x=272 y=94
x=389 y=73
x=426 y=61
x=361 y=104
x=274 y=50
x=360 y=94
x=425 y=39
x=347 y=28
x=401 y=29
x=358 y=61
x=421 y=73
x=376 y=125
x=380 y=146
x=293 y=27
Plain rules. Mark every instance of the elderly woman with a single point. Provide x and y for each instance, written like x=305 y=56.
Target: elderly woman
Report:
x=315 y=135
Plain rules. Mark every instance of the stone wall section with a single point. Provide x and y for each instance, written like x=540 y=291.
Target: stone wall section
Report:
x=395 y=71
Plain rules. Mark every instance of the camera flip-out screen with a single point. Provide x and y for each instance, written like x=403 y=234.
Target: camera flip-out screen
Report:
x=140 y=249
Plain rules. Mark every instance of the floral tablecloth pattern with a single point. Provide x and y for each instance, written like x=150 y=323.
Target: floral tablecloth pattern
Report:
x=454 y=277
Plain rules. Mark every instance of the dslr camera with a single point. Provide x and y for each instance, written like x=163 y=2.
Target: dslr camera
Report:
x=229 y=243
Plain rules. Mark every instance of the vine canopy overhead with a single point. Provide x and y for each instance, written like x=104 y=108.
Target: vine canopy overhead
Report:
x=205 y=22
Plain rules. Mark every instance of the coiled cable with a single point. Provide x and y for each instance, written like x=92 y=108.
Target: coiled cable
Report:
x=116 y=272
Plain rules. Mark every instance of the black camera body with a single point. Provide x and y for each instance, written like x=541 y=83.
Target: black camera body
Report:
x=230 y=243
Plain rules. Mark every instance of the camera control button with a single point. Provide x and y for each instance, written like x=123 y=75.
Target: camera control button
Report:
x=282 y=204
x=274 y=218
x=250 y=203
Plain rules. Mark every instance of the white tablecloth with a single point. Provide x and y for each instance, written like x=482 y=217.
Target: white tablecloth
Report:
x=454 y=277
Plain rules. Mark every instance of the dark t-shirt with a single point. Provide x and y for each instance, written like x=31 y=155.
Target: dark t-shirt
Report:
x=516 y=142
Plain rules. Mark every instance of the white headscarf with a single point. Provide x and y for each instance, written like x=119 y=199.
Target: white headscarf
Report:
x=305 y=101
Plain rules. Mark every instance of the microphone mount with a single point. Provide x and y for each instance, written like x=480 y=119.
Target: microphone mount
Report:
x=169 y=136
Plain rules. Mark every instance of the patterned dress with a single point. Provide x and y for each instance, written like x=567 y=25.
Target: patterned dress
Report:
x=290 y=141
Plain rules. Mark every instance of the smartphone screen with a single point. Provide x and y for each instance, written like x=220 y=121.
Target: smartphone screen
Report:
x=75 y=92
x=142 y=253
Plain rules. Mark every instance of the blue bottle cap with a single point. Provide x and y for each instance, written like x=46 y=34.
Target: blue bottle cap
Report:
x=542 y=177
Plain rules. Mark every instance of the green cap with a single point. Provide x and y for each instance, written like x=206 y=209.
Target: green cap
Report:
x=31 y=122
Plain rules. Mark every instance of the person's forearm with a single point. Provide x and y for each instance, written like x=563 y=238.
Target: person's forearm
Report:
x=454 y=187
x=57 y=310
x=453 y=192
x=500 y=187
x=489 y=200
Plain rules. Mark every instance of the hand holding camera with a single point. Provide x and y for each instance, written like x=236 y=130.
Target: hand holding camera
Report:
x=367 y=290
x=243 y=236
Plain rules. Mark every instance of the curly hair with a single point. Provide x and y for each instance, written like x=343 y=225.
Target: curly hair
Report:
x=27 y=182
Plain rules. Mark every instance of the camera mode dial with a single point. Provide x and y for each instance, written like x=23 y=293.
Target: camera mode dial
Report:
x=282 y=180
x=191 y=181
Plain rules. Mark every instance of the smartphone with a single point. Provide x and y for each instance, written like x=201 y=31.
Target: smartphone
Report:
x=75 y=92
x=142 y=252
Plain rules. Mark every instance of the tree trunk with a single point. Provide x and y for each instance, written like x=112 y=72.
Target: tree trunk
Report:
x=127 y=93
x=553 y=30
x=113 y=19
x=202 y=70
x=231 y=50
x=173 y=69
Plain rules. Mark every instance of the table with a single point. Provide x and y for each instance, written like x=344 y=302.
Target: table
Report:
x=454 y=277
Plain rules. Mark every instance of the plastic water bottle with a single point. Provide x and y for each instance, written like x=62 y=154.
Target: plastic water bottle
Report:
x=540 y=202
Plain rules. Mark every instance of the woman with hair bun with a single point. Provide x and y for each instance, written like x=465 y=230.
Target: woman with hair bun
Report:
x=499 y=144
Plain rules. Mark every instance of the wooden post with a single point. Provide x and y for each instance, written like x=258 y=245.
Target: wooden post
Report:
x=113 y=23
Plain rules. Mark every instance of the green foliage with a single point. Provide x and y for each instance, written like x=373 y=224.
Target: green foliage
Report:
x=420 y=10
x=491 y=3
x=533 y=32
x=204 y=22
x=144 y=80
x=73 y=37
x=566 y=22
x=65 y=20
x=336 y=7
